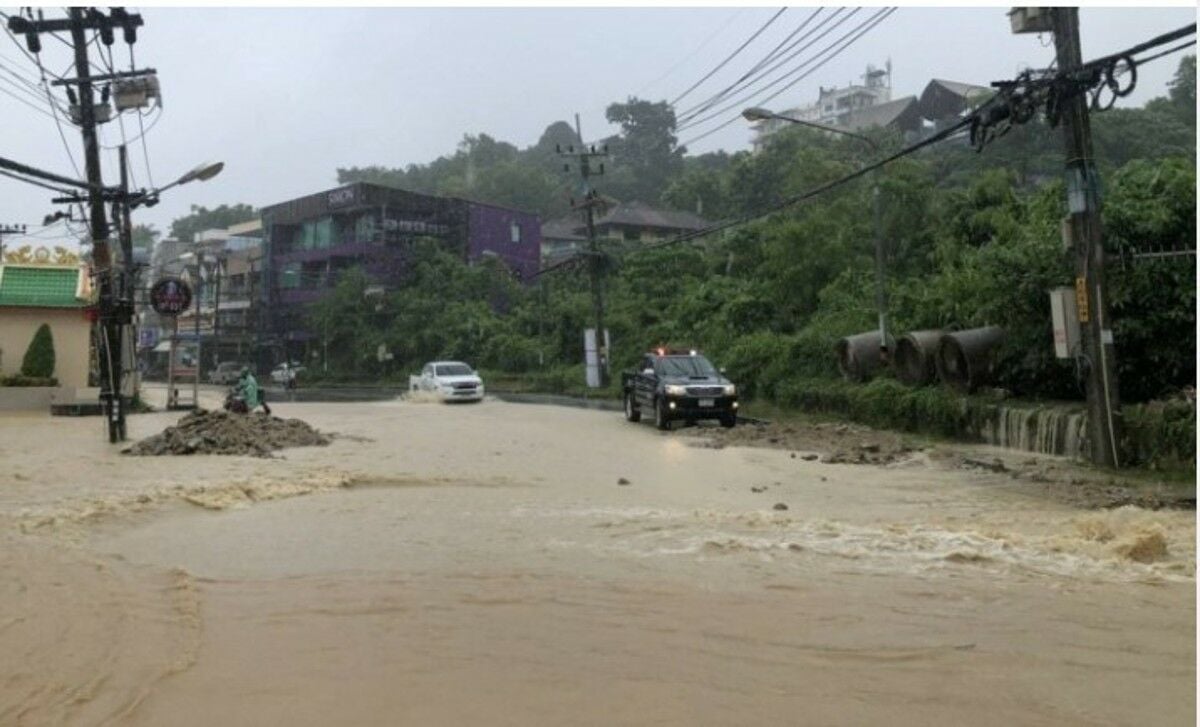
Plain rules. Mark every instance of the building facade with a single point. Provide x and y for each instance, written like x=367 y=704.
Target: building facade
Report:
x=58 y=296
x=623 y=222
x=859 y=107
x=310 y=242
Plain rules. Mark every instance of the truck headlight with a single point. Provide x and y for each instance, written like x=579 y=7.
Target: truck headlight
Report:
x=730 y=389
x=676 y=389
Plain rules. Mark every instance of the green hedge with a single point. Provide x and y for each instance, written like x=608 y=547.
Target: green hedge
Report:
x=39 y=357
x=1160 y=434
x=21 y=380
x=1157 y=435
x=882 y=403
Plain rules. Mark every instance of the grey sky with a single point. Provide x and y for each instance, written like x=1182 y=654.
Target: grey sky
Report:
x=285 y=96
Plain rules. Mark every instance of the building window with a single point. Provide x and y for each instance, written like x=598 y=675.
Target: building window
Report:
x=514 y=232
x=290 y=276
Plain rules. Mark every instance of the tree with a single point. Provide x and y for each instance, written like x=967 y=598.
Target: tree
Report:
x=646 y=148
x=201 y=218
x=39 y=357
x=1183 y=90
x=145 y=237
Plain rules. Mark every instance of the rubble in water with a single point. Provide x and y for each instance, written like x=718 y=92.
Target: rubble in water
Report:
x=221 y=432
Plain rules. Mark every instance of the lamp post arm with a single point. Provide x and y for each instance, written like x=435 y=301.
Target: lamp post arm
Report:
x=830 y=129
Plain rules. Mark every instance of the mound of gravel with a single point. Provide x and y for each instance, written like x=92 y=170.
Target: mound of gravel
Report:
x=221 y=432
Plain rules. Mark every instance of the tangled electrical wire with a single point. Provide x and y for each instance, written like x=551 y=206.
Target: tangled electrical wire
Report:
x=1102 y=81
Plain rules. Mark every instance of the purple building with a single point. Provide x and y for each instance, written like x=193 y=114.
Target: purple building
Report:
x=310 y=241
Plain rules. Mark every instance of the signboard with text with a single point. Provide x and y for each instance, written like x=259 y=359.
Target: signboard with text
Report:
x=170 y=297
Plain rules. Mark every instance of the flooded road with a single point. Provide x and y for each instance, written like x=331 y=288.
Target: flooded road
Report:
x=516 y=564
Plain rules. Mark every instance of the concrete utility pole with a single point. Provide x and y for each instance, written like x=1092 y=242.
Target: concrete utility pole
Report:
x=1083 y=201
x=109 y=327
x=588 y=204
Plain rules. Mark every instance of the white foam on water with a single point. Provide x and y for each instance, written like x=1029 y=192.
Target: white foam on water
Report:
x=1127 y=545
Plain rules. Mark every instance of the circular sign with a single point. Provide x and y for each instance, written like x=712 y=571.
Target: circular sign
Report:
x=170 y=297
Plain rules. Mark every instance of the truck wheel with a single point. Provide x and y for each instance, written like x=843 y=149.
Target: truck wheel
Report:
x=662 y=419
x=631 y=411
x=729 y=421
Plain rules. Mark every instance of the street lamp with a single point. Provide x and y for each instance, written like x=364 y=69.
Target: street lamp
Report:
x=201 y=173
x=757 y=114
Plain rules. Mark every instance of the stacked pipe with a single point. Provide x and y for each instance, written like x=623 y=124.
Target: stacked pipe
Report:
x=915 y=359
x=966 y=359
x=858 y=355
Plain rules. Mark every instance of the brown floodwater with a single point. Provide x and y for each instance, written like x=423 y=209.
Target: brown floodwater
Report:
x=482 y=565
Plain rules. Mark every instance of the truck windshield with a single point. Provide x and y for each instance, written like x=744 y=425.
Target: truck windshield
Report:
x=454 y=369
x=685 y=366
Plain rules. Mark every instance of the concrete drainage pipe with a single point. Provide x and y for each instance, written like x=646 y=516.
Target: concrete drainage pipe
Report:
x=858 y=355
x=966 y=359
x=915 y=359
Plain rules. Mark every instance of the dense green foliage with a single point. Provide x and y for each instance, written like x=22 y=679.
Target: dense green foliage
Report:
x=39 y=357
x=971 y=239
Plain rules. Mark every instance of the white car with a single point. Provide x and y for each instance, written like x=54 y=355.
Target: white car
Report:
x=449 y=380
x=285 y=374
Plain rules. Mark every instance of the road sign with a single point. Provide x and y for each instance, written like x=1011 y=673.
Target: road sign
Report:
x=170 y=297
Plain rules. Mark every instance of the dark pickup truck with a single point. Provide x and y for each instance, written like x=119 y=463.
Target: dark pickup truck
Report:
x=678 y=385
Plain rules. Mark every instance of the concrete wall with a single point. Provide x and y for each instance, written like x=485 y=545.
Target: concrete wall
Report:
x=36 y=398
x=70 y=330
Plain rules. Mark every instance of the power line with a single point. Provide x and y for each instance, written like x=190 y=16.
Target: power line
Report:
x=689 y=56
x=36 y=183
x=730 y=57
x=833 y=49
x=991 y=111
x=37 y=96
x=753 y=74
x=141 y=125
x=808 y=73
x=692 y=117
x=15 y=97
x=1169 y=51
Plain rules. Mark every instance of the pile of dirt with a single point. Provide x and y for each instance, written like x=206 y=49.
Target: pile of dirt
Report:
x=221 y=432
x=839 y=443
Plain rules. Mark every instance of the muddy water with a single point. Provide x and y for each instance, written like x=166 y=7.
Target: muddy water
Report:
x=481 y=564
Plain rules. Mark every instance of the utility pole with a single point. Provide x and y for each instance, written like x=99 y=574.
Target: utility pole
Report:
x=115 y=303
x=110 y=338
x=1083 y=202
x=9 y=230
x=121 y=213
x=589 y=203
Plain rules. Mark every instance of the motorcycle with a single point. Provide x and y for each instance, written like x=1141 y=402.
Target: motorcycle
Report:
x=235 y=403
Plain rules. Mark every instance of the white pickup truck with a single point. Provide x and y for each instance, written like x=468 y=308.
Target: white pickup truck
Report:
x=449 y=381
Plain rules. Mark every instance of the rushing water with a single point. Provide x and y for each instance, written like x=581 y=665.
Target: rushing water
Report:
x=485 y=565
x=1047 y=430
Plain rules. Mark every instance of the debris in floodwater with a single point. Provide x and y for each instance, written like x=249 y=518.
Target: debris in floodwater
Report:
x=622 y=481
x=996 y=465
x=780 y=506
x=1146 y=546
x=221 y=432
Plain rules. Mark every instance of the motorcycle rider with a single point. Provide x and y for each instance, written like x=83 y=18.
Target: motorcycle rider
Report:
x=249 y=391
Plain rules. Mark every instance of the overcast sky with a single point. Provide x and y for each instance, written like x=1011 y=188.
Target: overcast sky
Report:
x=286 y=96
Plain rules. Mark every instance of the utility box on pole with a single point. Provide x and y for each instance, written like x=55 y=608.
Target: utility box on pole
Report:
x=1063 y=313
x=1030 y=20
